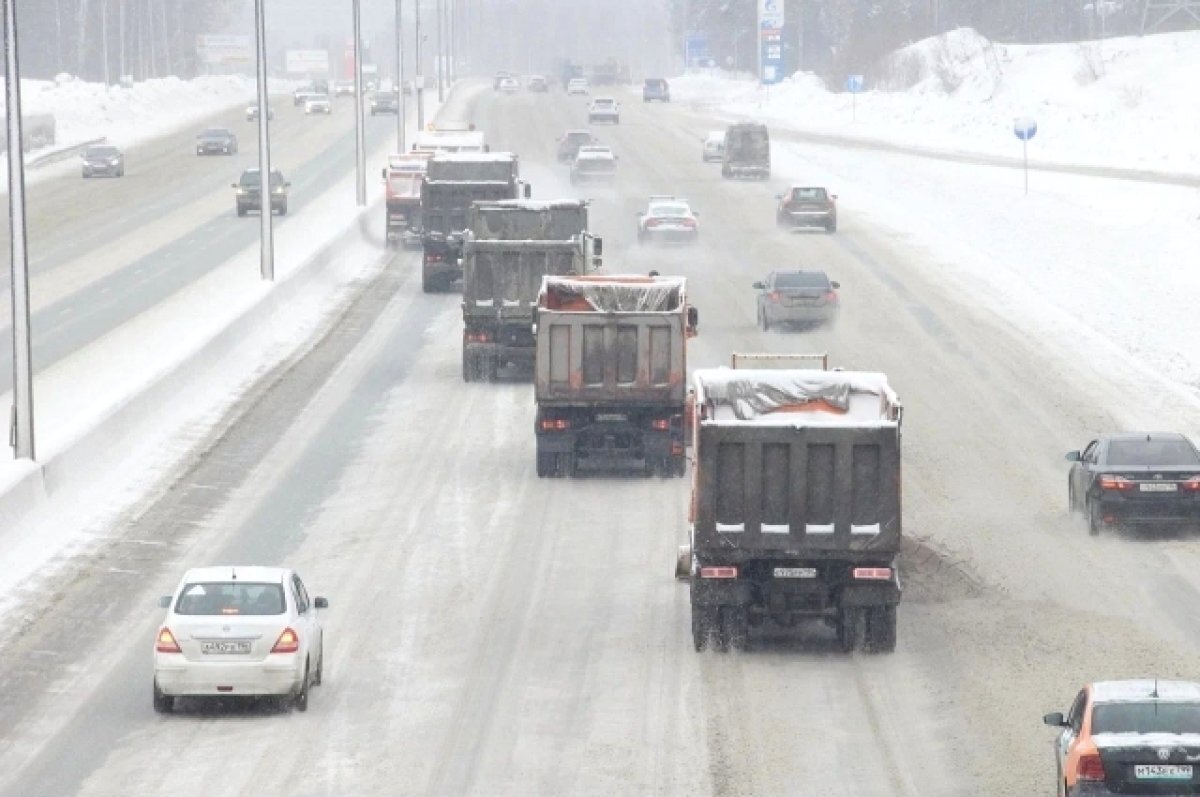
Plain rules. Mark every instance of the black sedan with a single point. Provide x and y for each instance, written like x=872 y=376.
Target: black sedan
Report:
x=103 y=159
x=216 y=141
x=249 y=192
x=1142 y=477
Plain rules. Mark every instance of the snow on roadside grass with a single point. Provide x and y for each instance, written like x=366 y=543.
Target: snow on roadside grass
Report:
x=1118 y=102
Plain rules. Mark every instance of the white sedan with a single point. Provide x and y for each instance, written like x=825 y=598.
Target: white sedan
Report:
x=238 y=631
x=318 y=103
x=714 y=146
x=668 y=219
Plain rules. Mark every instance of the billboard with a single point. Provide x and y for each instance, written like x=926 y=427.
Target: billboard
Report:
x=224 y=50
x=306 y=62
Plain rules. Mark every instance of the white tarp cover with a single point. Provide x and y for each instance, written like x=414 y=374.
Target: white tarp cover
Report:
x=633 y=294
x=754 y=394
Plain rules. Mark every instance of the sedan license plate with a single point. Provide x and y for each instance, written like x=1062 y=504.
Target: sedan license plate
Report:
x=795 y=572
x=221 y=648
x=1163 y=771
x=1158 y=487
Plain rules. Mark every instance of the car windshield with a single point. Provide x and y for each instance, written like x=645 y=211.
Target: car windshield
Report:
x=250 y=178
x=230 y=598
x=101 y=152
x=801 y=279
x=669 y=210
x=1171 y=453
x=1151 y=716
x=578 y=138
x=214 y=132
x=604 y=103
x=809 y=194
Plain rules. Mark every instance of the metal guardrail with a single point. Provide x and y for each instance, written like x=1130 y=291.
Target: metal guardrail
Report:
x=62 y=153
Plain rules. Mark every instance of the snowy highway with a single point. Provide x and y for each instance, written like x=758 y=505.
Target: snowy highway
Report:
x=493 y=633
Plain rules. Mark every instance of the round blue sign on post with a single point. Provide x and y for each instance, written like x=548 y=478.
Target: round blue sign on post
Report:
x=1025 y=128
x=854 y=83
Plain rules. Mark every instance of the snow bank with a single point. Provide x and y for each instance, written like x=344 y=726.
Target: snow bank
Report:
x=1123 y=103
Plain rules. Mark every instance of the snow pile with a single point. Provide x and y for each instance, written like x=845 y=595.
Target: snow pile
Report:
x=1121 y=103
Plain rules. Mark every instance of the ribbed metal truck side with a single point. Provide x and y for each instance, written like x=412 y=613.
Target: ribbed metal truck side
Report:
x=452 y=182
x=509 y=248
x=610 y=375
x=796 y=511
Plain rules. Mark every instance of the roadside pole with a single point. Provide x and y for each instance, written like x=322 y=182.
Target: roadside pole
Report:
x=419 y=78
x=400 y=115
x=1025 y=128
x=21 y=429
x=266 y=257
x=441 y=50
x=360 y=145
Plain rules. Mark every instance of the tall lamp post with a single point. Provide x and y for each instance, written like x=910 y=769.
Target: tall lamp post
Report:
x=400 y=115
x=441 y=50
x=419 y=78
x=266 y=240
x=360 y=147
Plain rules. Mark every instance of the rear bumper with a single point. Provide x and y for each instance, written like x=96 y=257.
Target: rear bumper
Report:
x=277 y=675
x=801 y=315
x=787 y=600
x=758 y=172
x=1162 y=509
x=808 y=218
x=1090 y=789
x=670 y=236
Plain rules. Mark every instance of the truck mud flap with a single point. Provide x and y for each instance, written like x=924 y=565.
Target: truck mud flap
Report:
x=683 y=563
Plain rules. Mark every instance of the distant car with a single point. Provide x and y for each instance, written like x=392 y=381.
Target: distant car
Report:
x=499 y=78
x=1129 y=737
x=537 y=83
x=604 y=109
x=509 y=85
x=807 y=206
x=216 y=140
x=577 y=85
x=1135 y=478
x=102 y=159
x=343 y=88
x=803 y=298
x=594 y=165
x=714 y=146
x=409 y=87
x=252 y=113
x=249 y=195
x=318 y=103
x=655 y=88
x=385 y=102
x=301 y=94
x=668 y=219
x=239 y=632
x=570 y=142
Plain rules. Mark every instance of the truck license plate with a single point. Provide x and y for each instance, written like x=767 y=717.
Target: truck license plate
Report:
x=1163 y=771
x=795 y=572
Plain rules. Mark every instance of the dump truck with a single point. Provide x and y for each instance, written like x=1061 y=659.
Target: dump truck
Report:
x=509 y=246
x=610 y=374
x=402 y=179
x=747 y=151
x=795 y=512
x=452 y=182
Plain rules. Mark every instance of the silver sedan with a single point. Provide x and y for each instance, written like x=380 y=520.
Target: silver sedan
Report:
x=800 y=298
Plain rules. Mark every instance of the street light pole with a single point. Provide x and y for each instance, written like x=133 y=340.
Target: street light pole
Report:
x=266 y=258
x=441 y=44
x=21 y=429
x=104 y=39
x=419 y=78
x=400 y=115
x=360 y=147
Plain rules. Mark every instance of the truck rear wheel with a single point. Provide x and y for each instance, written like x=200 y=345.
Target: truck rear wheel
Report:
x=547 y=465
x=735 y=628
x=468 y=366
x=704 y=628
x=427 y=282
x=881 y=629
x=850 y=628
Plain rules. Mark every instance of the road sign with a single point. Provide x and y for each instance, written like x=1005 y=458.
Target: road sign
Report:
x=770 y=13
x=696 y=49
x=1024 y=128
x=211 y=49
x=854 y=83
x=306 y=62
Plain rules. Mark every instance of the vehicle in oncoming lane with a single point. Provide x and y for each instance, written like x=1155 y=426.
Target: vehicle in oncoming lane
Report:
x=216 y=140
x=1135 y=478
x=235 y=631
x=343 y=88
x=668 y=219
x=385 y=102
x=577 y=85
x=103 y=159
x=537 y=83
x=318 y=103
x=807 y=206
x=249 y=192
x=802 y=298
x=1137 y=736
x=252 y=113
x=509 y=85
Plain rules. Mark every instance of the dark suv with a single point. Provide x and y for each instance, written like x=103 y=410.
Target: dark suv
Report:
x=570 y=142
x=655 y=88
x=249 y=192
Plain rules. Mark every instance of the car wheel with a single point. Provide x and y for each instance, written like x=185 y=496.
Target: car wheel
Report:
x=283 y=209
x=319 y=675
x=831 y=227
x=241 y=211
x=163 y=704
x=300 y=698
x=765 y=322
x=1093 y=518
x=122 y=172
x=1072 y=506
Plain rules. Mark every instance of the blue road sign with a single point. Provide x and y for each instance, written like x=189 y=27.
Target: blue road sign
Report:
x=854 y=83
x=1024 y=128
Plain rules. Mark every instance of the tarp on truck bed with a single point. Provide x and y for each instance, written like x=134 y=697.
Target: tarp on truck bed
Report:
x=613 y=294
x=796 y=397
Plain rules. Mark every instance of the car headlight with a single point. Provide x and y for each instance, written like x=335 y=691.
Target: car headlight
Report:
x=241 y=192
x=278 y=190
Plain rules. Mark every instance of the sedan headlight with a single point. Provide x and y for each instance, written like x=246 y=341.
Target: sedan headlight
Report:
x=278 y=190
x=241 y=192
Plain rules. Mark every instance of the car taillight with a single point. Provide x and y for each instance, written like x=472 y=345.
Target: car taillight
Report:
x=1192 y=485
x=719 y=572
x=288 y=642
x=1090 y=767
x=873 y=573
x=774 y=296
x=651 y=222
x=690 y=223
x=166 y=642
x=661 y=424
x=831 y=296
x=1115 y=483
x=555 y=424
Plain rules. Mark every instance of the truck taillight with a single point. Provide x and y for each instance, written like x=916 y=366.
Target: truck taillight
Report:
x=555 y=424
x=478 y=337
x=1090 y=767
x=1115 y=483
x=1192 y=485
x=288 y=642
x=719 y=572
x=661 y=424
x=433 y=258
x=166 y=642
x=873 y=573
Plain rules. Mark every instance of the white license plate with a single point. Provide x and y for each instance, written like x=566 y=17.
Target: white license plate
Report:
x=611 y=417
x=1163 y=771
x=224 y=648
x=795 y=572
x=1158 y=487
